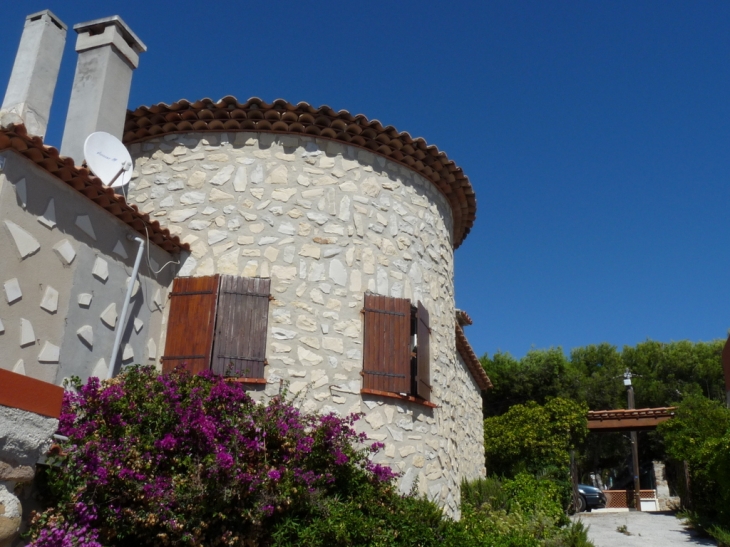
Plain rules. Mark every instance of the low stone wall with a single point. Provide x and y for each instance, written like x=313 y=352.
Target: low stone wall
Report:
x=24 y=438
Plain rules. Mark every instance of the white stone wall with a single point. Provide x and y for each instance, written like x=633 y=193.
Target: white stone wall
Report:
x=327 y=222
x=64 y=267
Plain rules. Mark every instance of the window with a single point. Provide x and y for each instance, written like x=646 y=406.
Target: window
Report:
x=396 y=348
x=218 y=323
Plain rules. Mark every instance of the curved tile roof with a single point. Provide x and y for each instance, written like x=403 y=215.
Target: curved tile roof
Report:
x=283 y=117
x=471 y=360
x=15 y=137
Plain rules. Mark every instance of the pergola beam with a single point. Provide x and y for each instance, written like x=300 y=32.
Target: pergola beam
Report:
x=640 y=419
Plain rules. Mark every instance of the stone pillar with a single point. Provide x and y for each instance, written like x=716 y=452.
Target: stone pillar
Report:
x=30 y=90
x=108 y=54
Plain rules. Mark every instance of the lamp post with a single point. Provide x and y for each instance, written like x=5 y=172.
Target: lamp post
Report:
x=634 y=441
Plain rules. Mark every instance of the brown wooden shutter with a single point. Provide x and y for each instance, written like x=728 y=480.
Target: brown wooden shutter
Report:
x=243 y=316
x=423 y=353
x=191 y=323
x=387 y=352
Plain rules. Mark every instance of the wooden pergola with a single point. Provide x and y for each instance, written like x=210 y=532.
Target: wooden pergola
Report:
x=638 y=419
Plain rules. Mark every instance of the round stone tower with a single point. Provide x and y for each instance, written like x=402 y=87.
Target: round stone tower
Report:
x=331 y=207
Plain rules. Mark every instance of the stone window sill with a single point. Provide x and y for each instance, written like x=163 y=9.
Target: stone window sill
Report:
x=398 y=396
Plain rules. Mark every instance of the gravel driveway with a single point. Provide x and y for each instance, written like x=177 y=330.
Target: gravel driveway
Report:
x=645 y=529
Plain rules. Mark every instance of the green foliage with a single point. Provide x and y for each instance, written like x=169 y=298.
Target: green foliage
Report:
x=522 y=512
x=531 y=438
x=722 y=535
x=700 y=435
x=592 y=374
x=367 y=519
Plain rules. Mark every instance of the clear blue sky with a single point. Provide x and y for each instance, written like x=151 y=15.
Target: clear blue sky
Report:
x=596 y=135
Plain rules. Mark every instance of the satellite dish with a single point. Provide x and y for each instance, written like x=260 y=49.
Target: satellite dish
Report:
x=108 y=158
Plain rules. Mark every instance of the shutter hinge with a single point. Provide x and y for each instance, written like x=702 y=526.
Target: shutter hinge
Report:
x=258 y=360
x=383 y=311
x=388 y=374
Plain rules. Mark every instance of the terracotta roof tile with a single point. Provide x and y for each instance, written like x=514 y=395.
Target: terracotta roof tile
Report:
x=471 y=360
x=283 y=117
x=631 y=413
x=463 y=318
x=16 y=138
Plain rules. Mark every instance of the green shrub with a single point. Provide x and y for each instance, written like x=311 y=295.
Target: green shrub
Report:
x=700 y=435
x=530 y=438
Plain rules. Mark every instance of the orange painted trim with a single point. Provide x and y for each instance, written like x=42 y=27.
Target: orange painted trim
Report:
x=398 y=396
x=247 y=380
x=18 y=391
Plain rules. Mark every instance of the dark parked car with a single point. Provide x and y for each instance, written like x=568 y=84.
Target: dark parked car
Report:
x=590 y=498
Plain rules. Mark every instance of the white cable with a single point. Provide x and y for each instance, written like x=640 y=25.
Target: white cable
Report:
x=149 y=264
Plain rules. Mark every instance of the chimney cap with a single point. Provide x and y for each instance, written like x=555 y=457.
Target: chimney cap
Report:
x=97 y=26
x=52 y=16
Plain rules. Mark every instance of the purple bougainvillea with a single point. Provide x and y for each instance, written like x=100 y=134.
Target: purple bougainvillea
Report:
x=183 y=459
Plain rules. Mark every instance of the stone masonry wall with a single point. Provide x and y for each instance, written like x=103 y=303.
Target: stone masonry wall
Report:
x=64 y=268
x=24 y=438
x=327 y=222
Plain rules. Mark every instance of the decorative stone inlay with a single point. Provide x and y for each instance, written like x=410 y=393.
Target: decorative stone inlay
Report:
x=101 y=269
x=50 y=300
x=26 y=244
x=2 y=327
x=48 y=219
x=119 y=250
x=27 y=335
x=128 y=353
x=19 y=367
x=135 y=289
x=49 y=354
x=109 y=315
x=84 y=299
x=100 y=369
x=138 y=324
x=86 y=333
x=21 y=192
x=157 y=299
x=65 y=251
x=151 y=350
x=12 y=290
x=84 y=222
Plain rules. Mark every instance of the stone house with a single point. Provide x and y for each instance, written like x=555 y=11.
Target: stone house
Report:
x=290 y=248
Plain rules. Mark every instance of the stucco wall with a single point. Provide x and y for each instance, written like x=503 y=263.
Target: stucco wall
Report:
x=61 y=255
x=327 y=222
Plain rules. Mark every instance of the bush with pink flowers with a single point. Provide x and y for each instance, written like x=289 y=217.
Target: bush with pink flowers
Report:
x=181 y=459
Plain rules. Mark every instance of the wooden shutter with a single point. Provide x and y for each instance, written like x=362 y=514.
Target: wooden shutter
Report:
x=191 y=323
x=240 y=334
x=423 y=353
x=387 y=352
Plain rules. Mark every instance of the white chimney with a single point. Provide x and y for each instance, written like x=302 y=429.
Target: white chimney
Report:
x=33 y=80
x=108 y=53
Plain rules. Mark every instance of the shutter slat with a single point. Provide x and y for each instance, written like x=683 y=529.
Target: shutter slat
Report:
x=191 y=323
x=423 y=353
x=386 y=358
x=240 y=348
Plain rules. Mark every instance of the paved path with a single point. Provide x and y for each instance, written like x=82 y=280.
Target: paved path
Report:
x=645 y=529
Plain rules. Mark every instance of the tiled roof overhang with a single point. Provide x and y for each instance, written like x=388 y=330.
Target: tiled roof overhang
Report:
x=16 y=138
x=283 y=117
x=471 y=359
